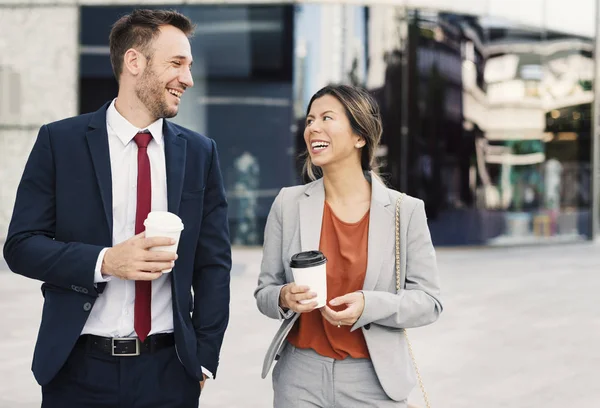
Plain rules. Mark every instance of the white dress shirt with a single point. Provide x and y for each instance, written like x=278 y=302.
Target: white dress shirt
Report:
x=112 y=314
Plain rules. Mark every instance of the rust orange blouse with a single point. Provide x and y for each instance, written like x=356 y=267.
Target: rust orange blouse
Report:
x=345 y=246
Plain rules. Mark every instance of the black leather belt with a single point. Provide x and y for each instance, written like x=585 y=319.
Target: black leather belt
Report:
x=126 y=347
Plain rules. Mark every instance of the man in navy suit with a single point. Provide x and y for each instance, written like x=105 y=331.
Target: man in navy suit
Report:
x=116 y=331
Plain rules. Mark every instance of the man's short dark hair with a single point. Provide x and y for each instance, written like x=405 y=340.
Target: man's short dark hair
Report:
x=138 y=29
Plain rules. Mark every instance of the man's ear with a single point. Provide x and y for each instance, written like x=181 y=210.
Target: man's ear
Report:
x=133 y=62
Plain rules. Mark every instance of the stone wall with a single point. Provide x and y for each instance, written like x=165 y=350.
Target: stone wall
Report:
x=38 y=84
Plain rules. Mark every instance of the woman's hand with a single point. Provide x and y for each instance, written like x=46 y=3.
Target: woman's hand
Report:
x=291 y=295
x=355 y=304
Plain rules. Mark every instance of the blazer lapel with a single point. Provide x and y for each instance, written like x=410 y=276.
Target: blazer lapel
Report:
x=175 y=148
x=97 y=139
x=311 y=216
x=381 y=231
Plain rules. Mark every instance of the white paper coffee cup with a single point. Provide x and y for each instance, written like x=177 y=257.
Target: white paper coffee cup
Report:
x=164 y=224
x=309 y=269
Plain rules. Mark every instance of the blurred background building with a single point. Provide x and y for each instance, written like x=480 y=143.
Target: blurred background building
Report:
x=488 y=105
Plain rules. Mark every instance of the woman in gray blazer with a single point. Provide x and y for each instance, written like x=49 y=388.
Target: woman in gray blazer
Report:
x=351 y=352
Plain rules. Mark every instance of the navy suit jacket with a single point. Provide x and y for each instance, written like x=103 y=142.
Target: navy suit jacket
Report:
x=63 y=218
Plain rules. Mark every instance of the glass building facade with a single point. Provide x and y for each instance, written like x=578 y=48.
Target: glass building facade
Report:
x=488 y=119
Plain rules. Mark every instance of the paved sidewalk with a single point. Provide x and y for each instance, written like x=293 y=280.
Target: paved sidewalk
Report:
x=521 y=328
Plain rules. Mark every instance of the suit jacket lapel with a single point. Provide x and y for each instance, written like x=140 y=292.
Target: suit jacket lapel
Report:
x=175 y=148
x=381 y=230
x=311 y=216
x=97 y=139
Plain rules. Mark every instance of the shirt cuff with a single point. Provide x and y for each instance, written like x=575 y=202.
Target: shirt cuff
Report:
x=98 y=277
x=208 y=373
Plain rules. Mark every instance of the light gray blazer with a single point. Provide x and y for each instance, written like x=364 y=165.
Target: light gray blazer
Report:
x=294 y=225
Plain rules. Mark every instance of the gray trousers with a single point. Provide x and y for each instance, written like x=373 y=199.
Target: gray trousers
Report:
x=303 y=379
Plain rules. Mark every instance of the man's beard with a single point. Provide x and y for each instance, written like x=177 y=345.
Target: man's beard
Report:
x=152 y=94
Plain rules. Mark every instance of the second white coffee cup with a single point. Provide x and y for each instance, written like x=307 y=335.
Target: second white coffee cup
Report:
x=164 y=224
x=309 y=269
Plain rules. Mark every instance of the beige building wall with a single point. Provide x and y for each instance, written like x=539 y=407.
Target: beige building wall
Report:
x=38 y=84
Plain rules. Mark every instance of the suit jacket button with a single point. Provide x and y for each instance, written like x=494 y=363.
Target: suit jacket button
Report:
x=367 y=326
x=87 y=306
x=84 y=291
x=75 y=288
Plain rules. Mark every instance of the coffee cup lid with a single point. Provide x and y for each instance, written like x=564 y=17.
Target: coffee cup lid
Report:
x=307 y=259
x=164 y=220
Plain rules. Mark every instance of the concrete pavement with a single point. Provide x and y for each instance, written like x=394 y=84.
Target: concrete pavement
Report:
x=521 y=328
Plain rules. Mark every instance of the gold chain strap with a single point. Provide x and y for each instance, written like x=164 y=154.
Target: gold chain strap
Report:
x=410 y=350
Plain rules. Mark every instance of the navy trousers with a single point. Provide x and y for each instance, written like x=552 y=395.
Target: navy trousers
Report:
x=92 y=379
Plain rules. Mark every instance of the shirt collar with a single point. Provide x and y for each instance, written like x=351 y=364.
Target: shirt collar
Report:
x=125 y=131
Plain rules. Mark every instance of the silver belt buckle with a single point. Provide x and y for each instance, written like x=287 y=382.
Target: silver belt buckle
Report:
x=126 y=339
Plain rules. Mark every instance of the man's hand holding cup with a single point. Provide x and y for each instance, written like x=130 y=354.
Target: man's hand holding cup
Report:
x=133 y=260
x=149 y=254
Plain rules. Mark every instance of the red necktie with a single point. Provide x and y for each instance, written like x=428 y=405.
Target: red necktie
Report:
x=143 y=289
